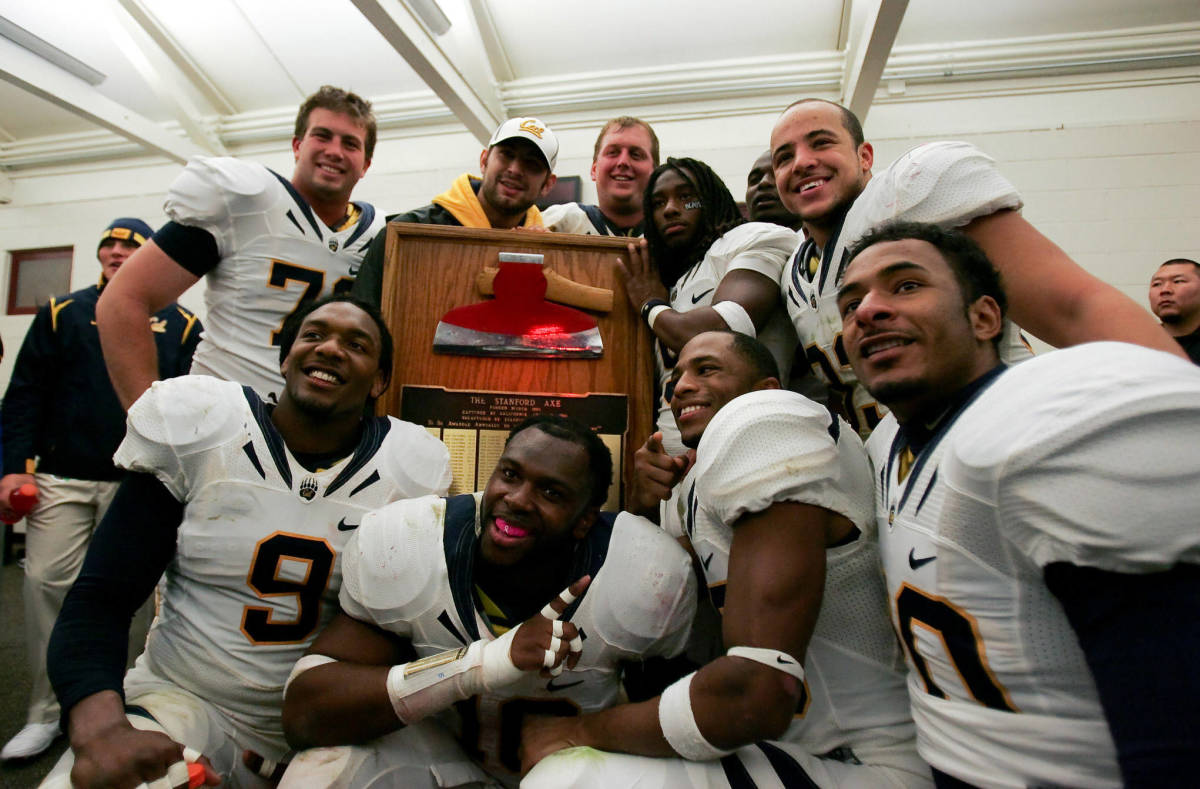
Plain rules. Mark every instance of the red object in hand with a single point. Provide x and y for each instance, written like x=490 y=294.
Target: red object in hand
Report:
x=22 y=500
x=196 y=775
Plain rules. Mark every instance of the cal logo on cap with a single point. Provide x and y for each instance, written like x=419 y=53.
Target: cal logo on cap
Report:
x=532 y=128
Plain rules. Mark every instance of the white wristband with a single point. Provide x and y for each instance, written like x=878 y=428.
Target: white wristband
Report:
x=679 y=723
x=772 y=658
x=653 y=314
x=735 y=317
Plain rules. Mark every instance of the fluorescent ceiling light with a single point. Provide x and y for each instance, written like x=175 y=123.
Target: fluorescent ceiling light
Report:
x=431 y=14
x=44 y=49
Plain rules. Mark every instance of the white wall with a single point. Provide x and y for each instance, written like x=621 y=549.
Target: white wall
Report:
x=1112 y=176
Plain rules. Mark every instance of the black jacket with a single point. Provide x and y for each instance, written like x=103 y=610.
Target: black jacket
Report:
x=60 y=407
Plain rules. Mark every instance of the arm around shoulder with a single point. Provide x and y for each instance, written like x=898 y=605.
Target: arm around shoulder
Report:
x=1053 y=297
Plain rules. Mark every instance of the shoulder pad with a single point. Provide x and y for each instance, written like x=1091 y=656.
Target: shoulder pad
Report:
x=775 y=445
x=180 y=417
x=643 y=599
x=773 y=244
x=392 y=567
x=212 y=191
x=418 y=462
x=565 y=218
x=1071 y=448
x=944 y=183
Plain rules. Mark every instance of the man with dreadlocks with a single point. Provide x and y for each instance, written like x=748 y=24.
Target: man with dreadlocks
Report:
x=702 y=266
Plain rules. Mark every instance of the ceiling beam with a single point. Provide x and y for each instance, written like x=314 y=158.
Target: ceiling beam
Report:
x=177 y=55
x=476 y=105
x=492 y=45
x=171 y=89
x=870 y=55
x=34 y=75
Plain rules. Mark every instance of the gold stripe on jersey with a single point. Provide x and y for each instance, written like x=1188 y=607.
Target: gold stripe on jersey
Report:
x=904 y=464
x=353 y=212
x=55 y=308
x=497 y=620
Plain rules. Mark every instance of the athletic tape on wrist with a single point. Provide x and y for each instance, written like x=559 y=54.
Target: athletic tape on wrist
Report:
x=431 y=684
x=302 y=665
x=735 y=317
x=678 y=723
x=773 y=658
x=177 y=774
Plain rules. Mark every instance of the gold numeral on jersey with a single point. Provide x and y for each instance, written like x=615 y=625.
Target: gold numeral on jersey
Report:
x=864 y=418
x=273 y=557
x=959 y=634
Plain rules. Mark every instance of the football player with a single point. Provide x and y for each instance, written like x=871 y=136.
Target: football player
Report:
x=625 y=154
x=762 y=197
x=465 y=583
x=702 y=266
x=264 y=243
x=1037 y=526
x=246 y=507
x=823 y=169
x=777 y=509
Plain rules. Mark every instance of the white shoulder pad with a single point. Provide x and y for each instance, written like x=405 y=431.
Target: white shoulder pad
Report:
x=775 y=445
x=179 y=417
x=567 y=218
x=643 y=599
x=418 y=462
x=755 y=246
x=393 y=565
x=212 y=191
x=943 y=183
x=1089 y=455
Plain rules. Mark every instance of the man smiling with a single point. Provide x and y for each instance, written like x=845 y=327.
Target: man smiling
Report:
x=1037 y=527
x=824 y=172
x=777 y=510
x=516 y=169
x=626 y=152
x=246 y=507
x=264 y=243
x=465 y=582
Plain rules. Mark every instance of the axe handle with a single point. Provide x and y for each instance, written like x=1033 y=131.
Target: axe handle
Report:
x=559 y=289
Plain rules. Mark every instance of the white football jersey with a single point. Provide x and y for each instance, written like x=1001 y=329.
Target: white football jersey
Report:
x=753 y=246
x=1086 y=455
x=257 y=569
x=942 y=183
x=274 y=251
x=773 y=446
x=409 y=570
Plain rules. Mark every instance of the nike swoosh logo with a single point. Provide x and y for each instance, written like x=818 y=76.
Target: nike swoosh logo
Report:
x=550 y=686
x=778 y=659
x=343 y=526
x=915 y=563
x=707 y=561
x=696 y=299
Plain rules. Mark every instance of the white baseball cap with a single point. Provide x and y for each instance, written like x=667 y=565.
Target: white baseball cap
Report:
x=530 y=129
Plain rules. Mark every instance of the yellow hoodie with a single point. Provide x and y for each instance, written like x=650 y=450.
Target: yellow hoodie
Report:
x=461 y=201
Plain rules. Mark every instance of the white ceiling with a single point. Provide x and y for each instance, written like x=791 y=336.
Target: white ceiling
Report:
x=187 y=77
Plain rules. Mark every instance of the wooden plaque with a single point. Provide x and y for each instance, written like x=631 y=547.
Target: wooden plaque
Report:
x=469 y=401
